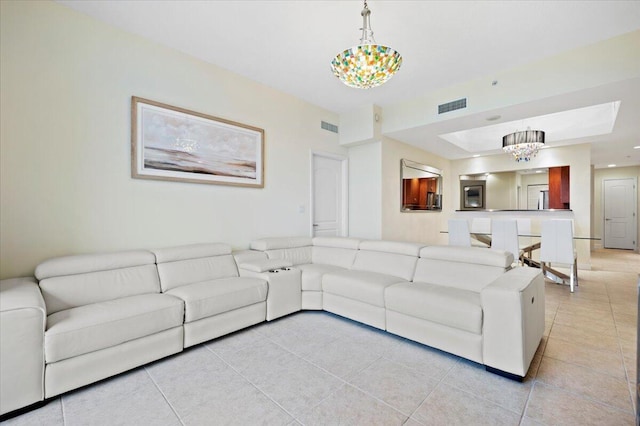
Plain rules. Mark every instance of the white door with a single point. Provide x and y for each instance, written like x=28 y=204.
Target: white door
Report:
x=329 y=195
x=620 y=216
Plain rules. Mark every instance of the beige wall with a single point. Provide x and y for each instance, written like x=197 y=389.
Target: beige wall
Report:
x=501 y=191
x=599 y=176
x=578 y=157
x=411 y=226
x=66 y=87
x=531 y=179
x=365 y=193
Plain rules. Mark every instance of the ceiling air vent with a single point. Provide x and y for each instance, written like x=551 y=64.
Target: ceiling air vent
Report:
x=452 y=106
x=328 y=126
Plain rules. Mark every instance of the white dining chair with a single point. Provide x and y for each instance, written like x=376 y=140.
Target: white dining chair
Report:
x=459 y=234
x=504 y=236
x=558 y=247
x=482 y=226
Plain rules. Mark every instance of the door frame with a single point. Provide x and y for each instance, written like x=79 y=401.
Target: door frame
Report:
x=635 y=205
x=344 y=162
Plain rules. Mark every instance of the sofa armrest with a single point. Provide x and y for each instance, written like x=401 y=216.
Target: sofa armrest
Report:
x=22 y=322
x=263 y=265
x=513 y=319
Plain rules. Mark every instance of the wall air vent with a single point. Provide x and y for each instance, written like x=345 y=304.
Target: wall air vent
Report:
x=328 y=126
x=452 y=106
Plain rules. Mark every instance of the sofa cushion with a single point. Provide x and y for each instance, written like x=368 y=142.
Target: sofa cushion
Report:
x=296 y=255
x=397 y=247
x=465 y=268
x=337 y=242
x=79 y=289
x=191 y=251
x=335 y=256
x=89 y=328
x=364 y=286
x=85 y=263
x=184 y=265
x=497 y=258
x=385 y=263
x=448 y=306
x=276 y=243
x=312 y=275
x=209 y=298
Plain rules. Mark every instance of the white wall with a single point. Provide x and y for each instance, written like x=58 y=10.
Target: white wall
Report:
x=598 y=208
x=422 y=226
x=578 y=157
x=365 y=195
x=65 y=187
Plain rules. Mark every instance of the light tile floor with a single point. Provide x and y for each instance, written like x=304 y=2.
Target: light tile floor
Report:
x=318 y=368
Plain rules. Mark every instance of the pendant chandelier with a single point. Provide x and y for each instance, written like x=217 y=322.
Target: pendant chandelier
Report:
x=367 y=64
x=523 y=145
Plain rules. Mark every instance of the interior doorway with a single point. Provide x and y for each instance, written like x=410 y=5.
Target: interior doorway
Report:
x=329 y=195
x=620 y=213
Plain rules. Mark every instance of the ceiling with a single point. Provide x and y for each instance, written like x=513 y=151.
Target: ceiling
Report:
x=288 y=45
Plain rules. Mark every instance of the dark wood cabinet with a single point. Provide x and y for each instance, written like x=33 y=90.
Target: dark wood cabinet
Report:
x=416 y=192
x=559 y=196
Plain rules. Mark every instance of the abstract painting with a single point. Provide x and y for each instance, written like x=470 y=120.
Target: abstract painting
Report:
x=171 y=143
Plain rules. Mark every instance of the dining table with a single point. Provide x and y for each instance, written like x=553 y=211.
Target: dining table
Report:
x=527 y=251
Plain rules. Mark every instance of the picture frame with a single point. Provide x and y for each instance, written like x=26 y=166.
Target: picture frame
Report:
x=176 y=144
x=472 y=195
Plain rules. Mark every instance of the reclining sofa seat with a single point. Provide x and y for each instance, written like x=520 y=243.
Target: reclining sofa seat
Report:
x=358 y=292
x=105 y=315
x=217 y=301
x=462 y=300
x=314 y=257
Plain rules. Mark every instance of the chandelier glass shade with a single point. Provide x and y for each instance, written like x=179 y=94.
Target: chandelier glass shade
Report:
x=523 y=145
x=368 y=64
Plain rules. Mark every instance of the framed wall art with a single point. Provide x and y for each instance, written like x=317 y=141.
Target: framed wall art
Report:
x=472 y=195
x=171 y=143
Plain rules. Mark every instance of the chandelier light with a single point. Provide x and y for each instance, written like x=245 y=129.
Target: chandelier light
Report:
x=523 y=145
x=367 y=64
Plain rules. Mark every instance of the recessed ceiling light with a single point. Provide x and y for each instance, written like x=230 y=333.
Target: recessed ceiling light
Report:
x=636 y=147
x=611 y=165
x=538 y=171
x=476 y=155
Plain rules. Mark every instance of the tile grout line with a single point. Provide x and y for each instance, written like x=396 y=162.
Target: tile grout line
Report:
x=624 y=364
x=310 y=362
x=526 y=404
x=477 y=396
x=64 y=418
x=249 y=380
x=164 y=396
x=586 y=397
x=267 y=395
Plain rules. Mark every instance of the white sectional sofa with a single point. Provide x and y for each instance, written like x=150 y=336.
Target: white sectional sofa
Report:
x=468 y=301
x=93 y=316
